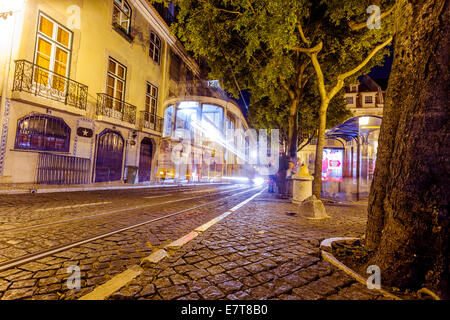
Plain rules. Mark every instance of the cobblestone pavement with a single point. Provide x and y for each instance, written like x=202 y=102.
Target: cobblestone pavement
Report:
x=63 y=222
x=101 y=259
x=261 y=251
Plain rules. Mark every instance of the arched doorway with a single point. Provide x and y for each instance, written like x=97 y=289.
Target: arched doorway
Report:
x=145 y=160
x=108 y=164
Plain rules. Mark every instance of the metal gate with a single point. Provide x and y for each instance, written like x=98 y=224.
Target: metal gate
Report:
x=108 y=164
x=145 y=160
x=60 y=169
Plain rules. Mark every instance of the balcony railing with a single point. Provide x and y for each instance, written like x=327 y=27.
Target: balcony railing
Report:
x=115 y=108
x=150 y=121
x=31 y=78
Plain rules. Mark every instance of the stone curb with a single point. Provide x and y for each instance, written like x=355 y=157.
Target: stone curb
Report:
x=107 y=289
x=334 y=261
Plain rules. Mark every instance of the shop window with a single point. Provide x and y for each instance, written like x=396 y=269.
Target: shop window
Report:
x=42 y=132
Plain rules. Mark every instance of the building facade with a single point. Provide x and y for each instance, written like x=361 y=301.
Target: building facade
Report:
x=87 y=89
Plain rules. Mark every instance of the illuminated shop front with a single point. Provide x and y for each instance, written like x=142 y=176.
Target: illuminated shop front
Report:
x=350 y=168
x=199 y=142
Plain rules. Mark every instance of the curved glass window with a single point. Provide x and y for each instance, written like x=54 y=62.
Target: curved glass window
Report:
x=42 y=132
x=168 y=120
x=187 y=115
x=212 y=118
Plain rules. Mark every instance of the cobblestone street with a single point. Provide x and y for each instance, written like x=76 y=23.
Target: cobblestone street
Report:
x=259 y=252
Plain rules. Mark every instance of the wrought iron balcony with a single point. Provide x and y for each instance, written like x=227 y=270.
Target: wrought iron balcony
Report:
x=151 y=121
x=31 y=78
x=115 y=108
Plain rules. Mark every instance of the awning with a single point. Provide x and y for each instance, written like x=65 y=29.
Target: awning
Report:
x=350 y=129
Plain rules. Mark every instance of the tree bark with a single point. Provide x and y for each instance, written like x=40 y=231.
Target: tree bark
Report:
x=293 y=132
x=317 y=185
x=408 y=220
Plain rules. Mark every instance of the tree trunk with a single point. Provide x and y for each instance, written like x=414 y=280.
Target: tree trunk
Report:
x=293 y=132
x=408 y=223
x=317 y=185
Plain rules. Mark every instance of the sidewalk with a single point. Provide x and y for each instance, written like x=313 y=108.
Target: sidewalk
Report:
x=26 y=188
x=261 y=251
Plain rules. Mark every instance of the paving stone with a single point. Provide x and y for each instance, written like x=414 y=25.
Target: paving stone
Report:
x=219 y=278
x=264 y=276
x=263 y=291
x=250 y=281
x=198 y=285
x=322 y=287
x=191 y=296
x=230 y=286
x=15 y=294
x=240 y=295
x=198 y=274
x=238 y=273
x=179 y=279
x=215 y=270
x=203 y=264
x=305 y=293
x=148 y=290
x=218 y=260
x=211 y=293
x=173 y=292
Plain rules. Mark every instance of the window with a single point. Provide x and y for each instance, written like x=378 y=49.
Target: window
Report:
x=212 y=120
x=122 y=15
x=115 y=86
x=151 y=98
x=187 y=115
x=349 y=100
x=151 y=103
x=155 y=47
x=368 y=99
x=168 y=120
x=42 y=132
x=53 y=50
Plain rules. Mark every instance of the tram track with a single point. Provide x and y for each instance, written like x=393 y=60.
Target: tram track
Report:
x=56 y=249
x=111 y=211
x=116 y=211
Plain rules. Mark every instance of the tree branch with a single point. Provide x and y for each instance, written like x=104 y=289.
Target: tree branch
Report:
x=314 y=49
x=306 y=143
x=302 y=35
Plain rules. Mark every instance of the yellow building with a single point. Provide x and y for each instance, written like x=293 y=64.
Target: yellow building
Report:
x=85 y=87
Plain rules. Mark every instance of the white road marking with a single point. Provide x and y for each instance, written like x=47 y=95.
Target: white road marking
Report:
x=106 y=290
